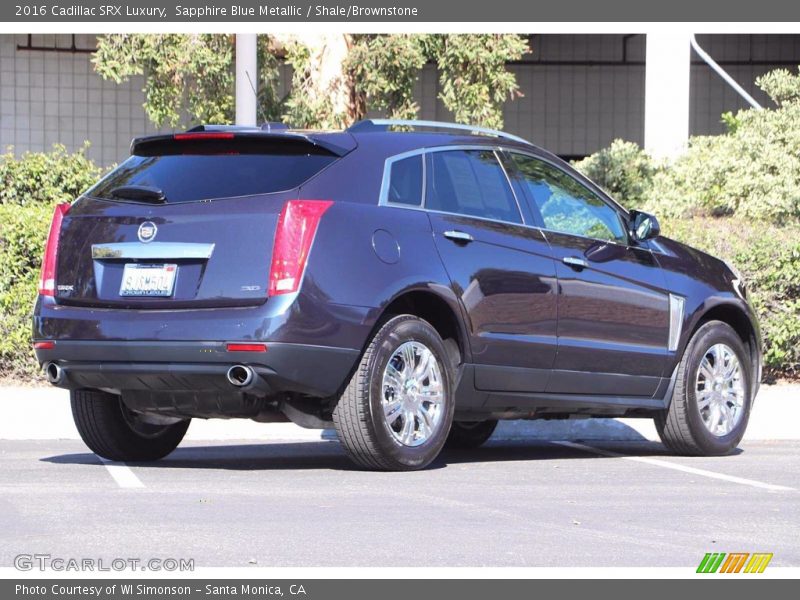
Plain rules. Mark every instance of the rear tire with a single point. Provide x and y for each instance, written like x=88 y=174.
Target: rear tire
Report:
x=397 y=409
x=111 y=430
x=704 y=398
x=469 y=434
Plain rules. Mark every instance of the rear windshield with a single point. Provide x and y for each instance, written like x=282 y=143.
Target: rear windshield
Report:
x=188 y=172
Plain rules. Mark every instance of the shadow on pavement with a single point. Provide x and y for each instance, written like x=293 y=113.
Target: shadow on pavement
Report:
x=329 y=455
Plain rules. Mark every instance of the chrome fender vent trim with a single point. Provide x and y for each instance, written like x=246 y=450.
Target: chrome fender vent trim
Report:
x=676 y=308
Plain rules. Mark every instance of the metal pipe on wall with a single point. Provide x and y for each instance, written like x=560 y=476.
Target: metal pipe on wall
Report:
x=723 y=73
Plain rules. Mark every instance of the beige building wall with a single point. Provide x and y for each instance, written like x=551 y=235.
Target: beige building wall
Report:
x=580 y=92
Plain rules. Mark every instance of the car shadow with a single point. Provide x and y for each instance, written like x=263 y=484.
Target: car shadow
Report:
x=237 y=457
x=329 y=455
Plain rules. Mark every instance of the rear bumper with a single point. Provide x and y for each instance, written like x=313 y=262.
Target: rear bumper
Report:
x=312 y=370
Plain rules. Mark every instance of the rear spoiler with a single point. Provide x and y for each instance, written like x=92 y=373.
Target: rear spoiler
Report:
x=337 y=143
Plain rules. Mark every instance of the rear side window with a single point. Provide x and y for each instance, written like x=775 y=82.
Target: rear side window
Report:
x=186 y=173
x=405 y=181
x=472 y=183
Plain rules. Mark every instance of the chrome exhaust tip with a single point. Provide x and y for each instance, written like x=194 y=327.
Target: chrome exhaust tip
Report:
x=54 y=373
x=240 y=375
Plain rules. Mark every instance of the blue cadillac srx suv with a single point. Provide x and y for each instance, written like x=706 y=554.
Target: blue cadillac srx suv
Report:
x=406 y=283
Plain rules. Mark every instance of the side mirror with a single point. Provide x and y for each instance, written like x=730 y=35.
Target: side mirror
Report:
x=644 y=226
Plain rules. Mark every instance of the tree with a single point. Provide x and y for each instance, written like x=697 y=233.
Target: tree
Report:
x=322 y=94
x=472 y=69
x=385 y=69
x=186 y=75
x=335 y=77
x=473 y=76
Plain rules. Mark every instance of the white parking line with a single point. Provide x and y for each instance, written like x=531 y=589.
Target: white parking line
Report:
x=122 y=474
x=677 y=467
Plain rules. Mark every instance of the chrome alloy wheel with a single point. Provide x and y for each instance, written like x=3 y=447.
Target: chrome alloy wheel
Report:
x=719 y=390
x=412 y=394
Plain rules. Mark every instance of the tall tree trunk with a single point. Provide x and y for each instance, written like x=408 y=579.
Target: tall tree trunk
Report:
x=327 y=80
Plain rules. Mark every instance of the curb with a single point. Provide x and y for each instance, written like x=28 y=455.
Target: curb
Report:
x=44 y=414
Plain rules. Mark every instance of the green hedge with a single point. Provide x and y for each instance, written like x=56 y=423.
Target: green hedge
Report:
x=30 y=186
x=46 y=177
x=623 y=169
x=751 y=171
x=23 y=232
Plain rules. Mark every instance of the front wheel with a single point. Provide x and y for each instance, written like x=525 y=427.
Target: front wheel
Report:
x=711 y=402
x=115 y=432
x=470 y=434
x=396 y=411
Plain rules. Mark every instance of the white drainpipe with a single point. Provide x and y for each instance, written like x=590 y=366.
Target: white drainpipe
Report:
x=723 y=73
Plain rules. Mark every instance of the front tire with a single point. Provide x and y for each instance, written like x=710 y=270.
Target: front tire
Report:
x=712 y=398
x=469 y=434
x=111 y=430
x=397 y=409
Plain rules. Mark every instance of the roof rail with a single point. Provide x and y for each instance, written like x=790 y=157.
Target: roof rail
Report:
x=384 y=124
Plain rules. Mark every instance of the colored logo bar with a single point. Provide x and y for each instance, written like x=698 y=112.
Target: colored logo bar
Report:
x=734 y=562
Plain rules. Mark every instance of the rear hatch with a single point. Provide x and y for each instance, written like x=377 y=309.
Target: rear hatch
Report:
x=187 y=221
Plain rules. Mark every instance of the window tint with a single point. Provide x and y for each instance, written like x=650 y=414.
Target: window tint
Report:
x=566 y=205
x=405 y=181
x=470 y=182
x=188 y=177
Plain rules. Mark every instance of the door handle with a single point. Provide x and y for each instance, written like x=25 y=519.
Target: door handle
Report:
x=459 y=236
x=575 y=263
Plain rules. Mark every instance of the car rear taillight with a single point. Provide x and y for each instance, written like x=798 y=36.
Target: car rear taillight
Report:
x=234 y=347
x=297 y=226
x=47 y=283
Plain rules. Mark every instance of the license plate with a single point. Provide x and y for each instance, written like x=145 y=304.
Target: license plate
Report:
x=148 y=280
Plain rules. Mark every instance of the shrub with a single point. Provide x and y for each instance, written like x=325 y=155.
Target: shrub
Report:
x=752 y=171
x=23 y=232
x=768 y=257
x=49 y=177
x=624 y=170
x=30 y=186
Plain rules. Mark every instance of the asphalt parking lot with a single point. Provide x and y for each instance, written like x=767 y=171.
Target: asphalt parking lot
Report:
x=300 y=503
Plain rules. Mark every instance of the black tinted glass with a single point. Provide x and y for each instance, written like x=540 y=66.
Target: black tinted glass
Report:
x=405 y=181
x=188 y=177
x=470 y=182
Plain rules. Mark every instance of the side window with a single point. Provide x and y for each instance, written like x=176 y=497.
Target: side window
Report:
x=472 y=183
x=405 y=181
x=566 y=205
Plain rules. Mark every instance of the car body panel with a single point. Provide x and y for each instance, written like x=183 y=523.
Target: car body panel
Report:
x=613 y=317
x=227 y=226
x=505 y=279
x=707 y=284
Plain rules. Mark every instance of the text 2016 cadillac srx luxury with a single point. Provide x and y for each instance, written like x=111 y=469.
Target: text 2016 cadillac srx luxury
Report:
x=406 y=283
